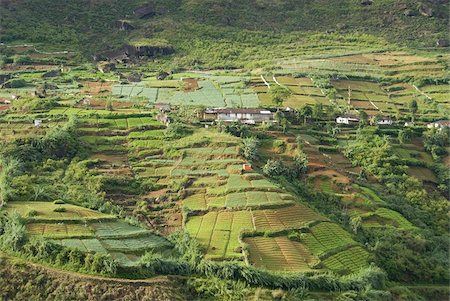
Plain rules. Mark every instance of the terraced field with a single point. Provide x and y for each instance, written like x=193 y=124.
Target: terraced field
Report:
x=219 y=232
x=293 y=217
x=89 y=231
x=279 y=254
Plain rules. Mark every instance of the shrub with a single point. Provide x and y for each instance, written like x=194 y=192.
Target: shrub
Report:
x=59 y=209
x=32 y=213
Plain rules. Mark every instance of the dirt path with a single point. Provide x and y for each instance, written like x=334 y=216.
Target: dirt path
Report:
x=275 y=80
x=422 y=93
x=265 y=82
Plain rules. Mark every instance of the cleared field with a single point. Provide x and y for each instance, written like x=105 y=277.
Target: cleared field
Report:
x=59 y=230
x=279 y=254
x=383 y=216
x=423 y=174
x=218 y=232
x=293 y=217
x=46 y=211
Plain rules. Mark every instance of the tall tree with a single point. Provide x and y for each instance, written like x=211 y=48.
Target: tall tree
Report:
x=279 y=94
x=413 y=107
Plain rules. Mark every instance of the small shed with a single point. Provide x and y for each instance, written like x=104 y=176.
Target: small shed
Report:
x=37 y=122
x=246 y=167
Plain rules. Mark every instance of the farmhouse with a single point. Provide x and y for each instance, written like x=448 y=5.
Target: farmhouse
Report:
x=441 y=124
x=163 y=107
x=248 y=116
x=384 y=120
x=347 y=119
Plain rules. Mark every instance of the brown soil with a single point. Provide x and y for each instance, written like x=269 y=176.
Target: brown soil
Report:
x=97 y=87
x=190 y=85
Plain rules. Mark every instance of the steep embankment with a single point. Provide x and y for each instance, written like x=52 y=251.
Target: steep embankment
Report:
x=26 y=281
x=92 y=26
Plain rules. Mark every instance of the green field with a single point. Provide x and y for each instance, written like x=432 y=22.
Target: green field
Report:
x=218 y=232
x=279 y=254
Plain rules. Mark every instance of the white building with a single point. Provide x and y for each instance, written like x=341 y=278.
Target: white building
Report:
x=248 y=116
x=384 y=120
x=439 y=124
x=347 y=119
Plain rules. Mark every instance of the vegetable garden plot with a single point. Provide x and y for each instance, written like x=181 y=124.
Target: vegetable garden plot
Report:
x=117 y=229
x=293 y=217
x=325 y=237
x=85 y=245
x=350 y=260
x=46 y=211
x=206 y=95
x=195 y=202
x=255 y=199
x=218 y=232
x=59 y=230
x=136 y=244
x=279 y=254
x=394 y=218
x=137 y=90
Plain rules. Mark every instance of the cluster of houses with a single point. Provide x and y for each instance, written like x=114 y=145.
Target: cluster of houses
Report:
x=246 y=116
x=353 y=119
x=255 y=116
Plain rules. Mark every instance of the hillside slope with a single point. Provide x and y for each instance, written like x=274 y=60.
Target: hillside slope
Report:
x=89 y=26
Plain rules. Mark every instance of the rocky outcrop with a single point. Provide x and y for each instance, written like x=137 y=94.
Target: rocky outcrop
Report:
x=162 y=75
x=134 y=77
x=105 y=67
x=4 y=78
x=442 y=43
x=124 y=25
x=52 y=73
x=145 y=11
x=147 y=51
x=410 y=13
x=426 y=10
x=366 y=2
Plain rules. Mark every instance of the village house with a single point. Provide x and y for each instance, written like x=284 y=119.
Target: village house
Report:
x=441 y=124
x=247 y=116
x=163 y=107
x=347 y=119
x=163 y=118
x=384 y=120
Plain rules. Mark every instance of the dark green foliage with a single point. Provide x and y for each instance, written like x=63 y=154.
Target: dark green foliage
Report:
x=58 y=143
x=279 y=94
x=273 y=168
x=175 y=130
x=410 y=258
x=250 y=148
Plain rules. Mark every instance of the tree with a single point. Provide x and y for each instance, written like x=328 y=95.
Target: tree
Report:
x=363 y=117
x=273 y=168
x=250 y=148
x=109 y=105
x=413 y=107
x=306 y=112
x=300 y=164
x=317 y=111
x=279 y=94
x=175 y=130
x=405 y=135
